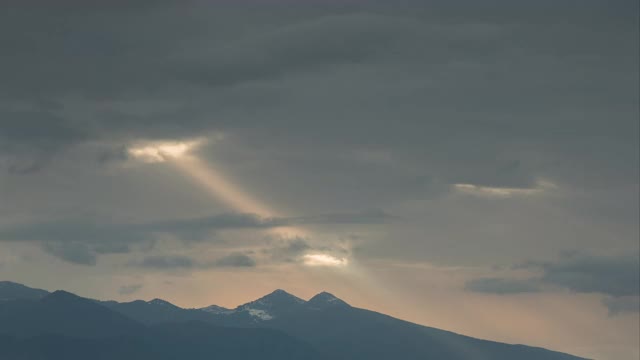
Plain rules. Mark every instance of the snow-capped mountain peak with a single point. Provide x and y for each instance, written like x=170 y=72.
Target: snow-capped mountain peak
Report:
x=277 y=304
x=276 y=300
x=260 y=314
x=271 y=306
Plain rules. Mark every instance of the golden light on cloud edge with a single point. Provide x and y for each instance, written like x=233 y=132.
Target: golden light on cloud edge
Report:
x=162 y=151
x=324 y=260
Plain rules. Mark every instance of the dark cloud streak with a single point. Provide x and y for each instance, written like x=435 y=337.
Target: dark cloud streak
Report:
x=80 y=242
x=617 y=277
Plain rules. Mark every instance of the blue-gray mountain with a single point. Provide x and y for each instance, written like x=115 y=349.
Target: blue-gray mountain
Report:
x=35 y=324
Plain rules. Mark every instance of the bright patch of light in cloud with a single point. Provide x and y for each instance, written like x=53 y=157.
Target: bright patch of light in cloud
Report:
x=207 y=175
x=324 y=260
x=488 y=191
x=161 y=151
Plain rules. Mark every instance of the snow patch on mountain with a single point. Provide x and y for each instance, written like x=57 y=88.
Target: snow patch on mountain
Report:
x=261 y=314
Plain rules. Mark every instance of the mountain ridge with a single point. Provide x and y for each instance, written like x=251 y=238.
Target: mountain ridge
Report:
x=328 y=324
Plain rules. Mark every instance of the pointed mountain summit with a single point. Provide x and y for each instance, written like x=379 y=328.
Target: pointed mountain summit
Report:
x=325 y=300
x=271 y=306
x=275 y=300
x=326 y=325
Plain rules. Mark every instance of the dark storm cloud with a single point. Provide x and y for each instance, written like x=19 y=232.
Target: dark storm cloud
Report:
x=618 y=277
x=303 y=46
x=611 y=275
x=330 y=107
x=196 y=55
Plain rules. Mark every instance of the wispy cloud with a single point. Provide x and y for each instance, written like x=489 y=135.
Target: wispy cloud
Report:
x=503 y=192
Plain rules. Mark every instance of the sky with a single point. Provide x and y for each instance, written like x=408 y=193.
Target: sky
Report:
x=471 y=166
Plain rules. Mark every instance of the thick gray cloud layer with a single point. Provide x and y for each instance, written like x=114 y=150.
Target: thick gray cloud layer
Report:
x=343 y=106
x=615 y=276
x=612 y=275
x=134 y=71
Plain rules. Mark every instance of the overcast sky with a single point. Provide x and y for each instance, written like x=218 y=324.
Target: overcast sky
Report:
x=467 y=165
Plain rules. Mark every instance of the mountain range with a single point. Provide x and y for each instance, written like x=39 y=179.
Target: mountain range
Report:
x=37 y=324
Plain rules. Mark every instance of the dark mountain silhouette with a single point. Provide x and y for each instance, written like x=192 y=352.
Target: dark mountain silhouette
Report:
x=157 y=311
x=64 y=326
x=344 y=332
x=66 y=314
x=14 y=291
x=279 y=325
x=189 y=340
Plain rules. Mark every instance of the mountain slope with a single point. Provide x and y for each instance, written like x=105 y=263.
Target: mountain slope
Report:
x=279 y=325
x=352 y=333
x=344 y=332
x=14 y=291
x=66 y=314
x=157 y=311
x=63 y=326
x=192 y=341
